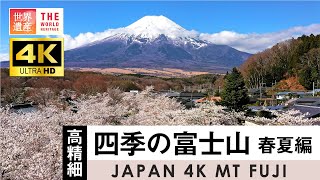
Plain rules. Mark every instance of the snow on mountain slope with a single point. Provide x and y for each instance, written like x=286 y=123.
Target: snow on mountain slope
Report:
x=149 y=28
x=155 y=42
x=152 y=26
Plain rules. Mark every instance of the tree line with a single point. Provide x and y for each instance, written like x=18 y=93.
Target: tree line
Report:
x=297 y=57
x=15 y=89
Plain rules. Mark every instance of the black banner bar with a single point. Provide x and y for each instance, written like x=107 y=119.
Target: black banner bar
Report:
x=74 y=152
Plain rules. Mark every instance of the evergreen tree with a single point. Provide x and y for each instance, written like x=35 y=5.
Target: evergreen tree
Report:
x=217 y=93
x=234 y=94
x=305 y=77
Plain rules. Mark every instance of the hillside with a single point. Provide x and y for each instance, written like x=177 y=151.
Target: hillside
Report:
x=298 y=57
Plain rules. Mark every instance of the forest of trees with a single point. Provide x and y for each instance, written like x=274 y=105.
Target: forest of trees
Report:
x=14 y=90
x=298 y=57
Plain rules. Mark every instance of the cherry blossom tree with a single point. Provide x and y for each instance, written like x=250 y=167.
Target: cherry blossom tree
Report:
x=31 y=143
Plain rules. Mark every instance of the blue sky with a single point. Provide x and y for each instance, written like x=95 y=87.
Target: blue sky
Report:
x=205 y=17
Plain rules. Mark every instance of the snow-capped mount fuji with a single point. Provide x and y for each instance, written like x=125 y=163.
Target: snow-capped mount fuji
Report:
x=151 y=27
x=155 y=42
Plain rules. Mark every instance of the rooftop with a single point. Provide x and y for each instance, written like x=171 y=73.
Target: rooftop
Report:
x=311 y=111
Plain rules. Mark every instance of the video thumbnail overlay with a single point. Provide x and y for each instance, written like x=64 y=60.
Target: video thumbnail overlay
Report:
x=36 y=57
x=188 y=152
x=36 y=21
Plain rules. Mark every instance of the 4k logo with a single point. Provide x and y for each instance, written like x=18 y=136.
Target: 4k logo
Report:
x=36 y=57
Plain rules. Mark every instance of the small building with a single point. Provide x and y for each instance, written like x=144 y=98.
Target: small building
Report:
x=255 y=108
x=275 y=108
x=185 y=95
x=282 y=95
x=191 y=95
x=23 y=108
x=310 y=111
x=254 y=92
x=186 y=98
x=266 y=108
x=316 y=91
x=289 y=94
x=209 y=99
x=309 y=101
x=134 y=91
x=172 y=94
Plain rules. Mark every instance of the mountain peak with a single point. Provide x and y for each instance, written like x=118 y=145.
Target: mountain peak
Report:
x=151 y=22
x=155 y=42
x=153 y=26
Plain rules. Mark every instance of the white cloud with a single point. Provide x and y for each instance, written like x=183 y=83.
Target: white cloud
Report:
x=255 y=42
x=4 y=57
x=89 y=37
x=251 y=42
x=86 y=38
